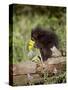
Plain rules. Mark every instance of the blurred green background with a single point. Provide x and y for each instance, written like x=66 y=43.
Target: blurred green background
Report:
x=26 y=17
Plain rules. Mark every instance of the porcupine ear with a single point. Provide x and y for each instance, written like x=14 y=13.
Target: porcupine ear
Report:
x=34 y=33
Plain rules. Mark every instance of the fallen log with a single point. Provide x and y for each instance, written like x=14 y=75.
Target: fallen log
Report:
x=27 y=73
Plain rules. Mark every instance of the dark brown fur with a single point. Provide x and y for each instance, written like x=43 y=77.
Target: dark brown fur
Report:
x=44 y=39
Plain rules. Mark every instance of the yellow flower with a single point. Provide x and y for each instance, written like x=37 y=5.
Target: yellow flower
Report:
x=30 y=45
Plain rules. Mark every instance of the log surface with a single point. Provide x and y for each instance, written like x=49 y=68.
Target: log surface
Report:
x=52 y=67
